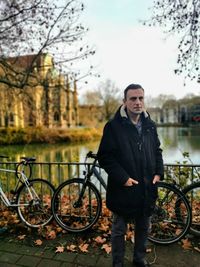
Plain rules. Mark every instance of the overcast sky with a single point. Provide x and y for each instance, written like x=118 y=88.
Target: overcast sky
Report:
x=128 y=52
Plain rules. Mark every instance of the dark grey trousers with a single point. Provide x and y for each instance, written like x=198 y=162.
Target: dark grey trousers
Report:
x=119 y=228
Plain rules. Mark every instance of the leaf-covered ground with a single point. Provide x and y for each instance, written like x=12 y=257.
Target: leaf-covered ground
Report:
x=97 y=239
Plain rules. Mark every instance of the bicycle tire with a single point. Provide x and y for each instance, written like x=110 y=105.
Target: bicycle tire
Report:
x=27 y=169
x=35 y=212
x=81 y=218
x=192 y=193
x=172 y=216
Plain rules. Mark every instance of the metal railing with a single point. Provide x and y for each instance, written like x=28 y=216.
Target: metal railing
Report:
x=57 y=172
x=183 y=174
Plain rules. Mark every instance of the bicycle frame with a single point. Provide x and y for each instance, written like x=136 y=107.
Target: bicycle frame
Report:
x=86 y=179
x=98 y=176
x=3 y=196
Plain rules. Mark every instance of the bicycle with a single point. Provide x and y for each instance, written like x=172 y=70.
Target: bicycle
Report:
x=77 y=203
x=31 y=198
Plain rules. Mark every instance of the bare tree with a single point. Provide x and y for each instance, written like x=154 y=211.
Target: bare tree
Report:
x=182 y=18
x=91 y=98
x=35 y=27
x=158 y=101
x=106 y=97
x=109 y=98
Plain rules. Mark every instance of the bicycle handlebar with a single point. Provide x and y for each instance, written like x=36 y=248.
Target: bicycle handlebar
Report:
x=28 y=159
x=91 y=155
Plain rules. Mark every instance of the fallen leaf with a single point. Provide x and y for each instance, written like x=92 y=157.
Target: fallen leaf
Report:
x=59 y=249
x=100 y=240
x=129 y=236
x=103 y=227
x=59 y=229
x=83 y=247
x=5 y=213
x=21 y=237
x=51 y=235
x=38 y=242
x=186 y=244
x=178 y=231
x=107 y=248
x=197 y=249
x=71 y=248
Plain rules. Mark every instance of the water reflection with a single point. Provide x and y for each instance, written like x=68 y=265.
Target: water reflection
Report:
x=52 y=159
x=174 y=142
x=49 y=152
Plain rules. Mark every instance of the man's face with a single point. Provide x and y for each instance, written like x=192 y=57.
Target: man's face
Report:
x=134 y=101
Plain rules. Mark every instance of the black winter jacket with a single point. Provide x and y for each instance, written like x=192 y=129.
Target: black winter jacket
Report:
x=123 y=153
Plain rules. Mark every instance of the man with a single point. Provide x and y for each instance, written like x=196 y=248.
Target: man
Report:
x=130 y=153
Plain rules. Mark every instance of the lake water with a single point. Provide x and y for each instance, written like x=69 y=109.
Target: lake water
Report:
x=174 y=142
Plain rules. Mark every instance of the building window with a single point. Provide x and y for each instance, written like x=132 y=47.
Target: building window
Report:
x=73 y=116
x=65 y=116
x=30 y=120
x=11 y=117
x=56 y=116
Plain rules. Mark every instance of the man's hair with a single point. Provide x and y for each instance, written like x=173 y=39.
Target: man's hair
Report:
x=132 y=86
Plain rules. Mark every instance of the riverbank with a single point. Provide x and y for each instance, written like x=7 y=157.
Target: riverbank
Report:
x=32 y=135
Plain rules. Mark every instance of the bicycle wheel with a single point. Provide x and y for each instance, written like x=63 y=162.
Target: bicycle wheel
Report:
x=172 y=215
x=76 y=214
x=24 y=167
x=34 y=203
x=192 y=193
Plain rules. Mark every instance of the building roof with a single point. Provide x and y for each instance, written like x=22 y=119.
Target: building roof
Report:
x=26 y=61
